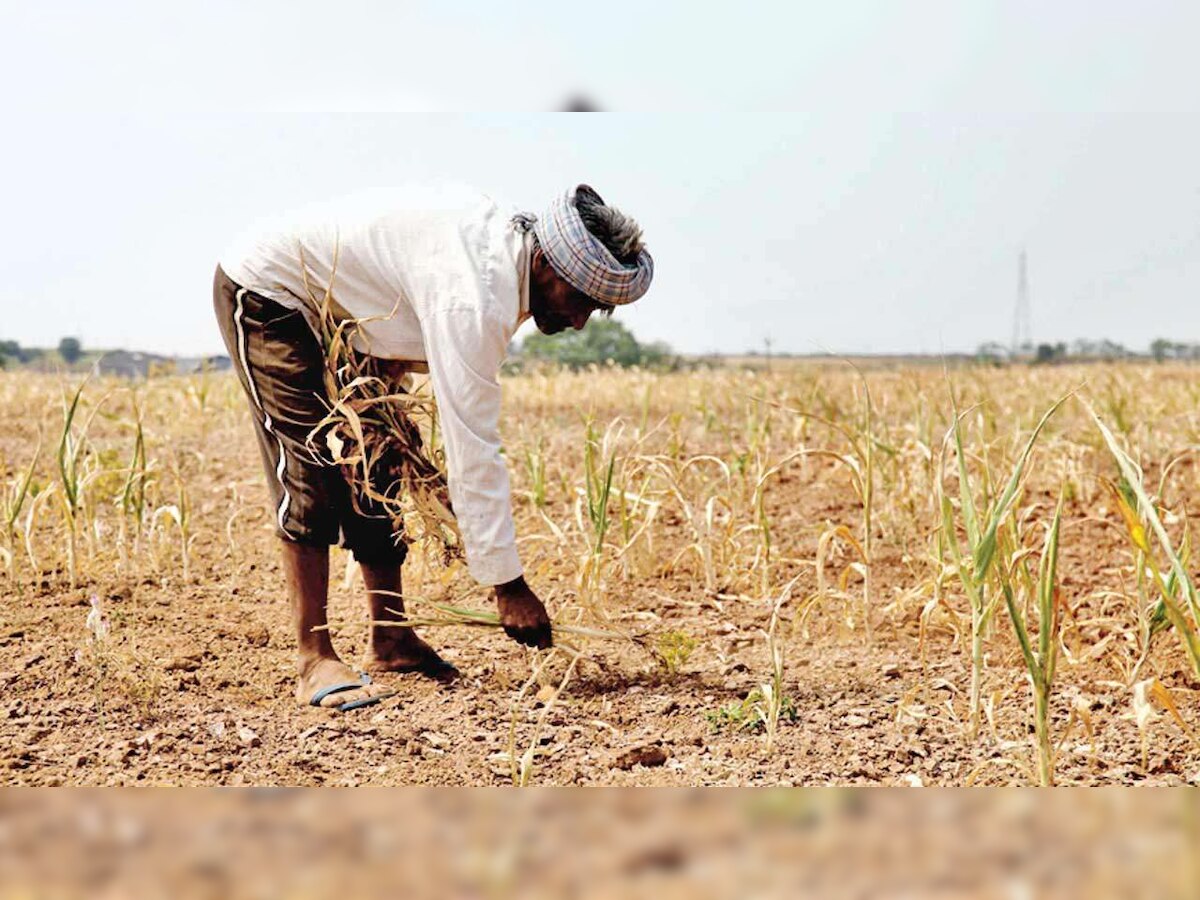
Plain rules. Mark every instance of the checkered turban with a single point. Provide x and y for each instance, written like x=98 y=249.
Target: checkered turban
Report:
x=582 y=260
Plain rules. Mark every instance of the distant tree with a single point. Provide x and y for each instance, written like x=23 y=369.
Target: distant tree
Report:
x=1050 y=353
x=657 y=353
x=599 y=342
x=70 y=350
x=10 y=348
x=1162 y=349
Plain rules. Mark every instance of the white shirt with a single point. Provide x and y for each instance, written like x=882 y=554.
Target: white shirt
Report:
x=455 y=271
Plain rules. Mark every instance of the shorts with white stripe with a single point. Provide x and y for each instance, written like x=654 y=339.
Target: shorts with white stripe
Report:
x=281 y=368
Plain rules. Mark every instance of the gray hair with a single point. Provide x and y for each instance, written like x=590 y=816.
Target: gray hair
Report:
x=619 y=233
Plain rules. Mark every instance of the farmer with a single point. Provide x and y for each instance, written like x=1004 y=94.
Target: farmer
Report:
x=443 y=278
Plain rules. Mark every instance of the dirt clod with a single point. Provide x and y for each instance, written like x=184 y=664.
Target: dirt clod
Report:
x=649 y=755
x=257 y=636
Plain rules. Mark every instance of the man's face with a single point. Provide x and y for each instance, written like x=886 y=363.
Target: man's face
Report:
x=554 y=304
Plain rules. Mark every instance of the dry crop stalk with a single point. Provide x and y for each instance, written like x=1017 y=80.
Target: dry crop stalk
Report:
x=97 y=646
x=762 y=523
x=132 y=500
x=451 y=614
x=71 y=456
x=68 y=456
x=14 y=499
x=1181 y=581
x=371 y=434
x=183 y=516
x=535 y=464
x=1041 y=663
x=824 y=542
x=1145 y=694
x=605 y=485
x=1152 y=615
x=772 y=690
x=597 y=490
x=628 y=505
x=861 y=463
x=521 y=769
x=983 y=542
x=868 y=499
x=700 y=516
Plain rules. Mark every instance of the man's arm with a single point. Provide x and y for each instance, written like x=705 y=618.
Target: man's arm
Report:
x=465 y=348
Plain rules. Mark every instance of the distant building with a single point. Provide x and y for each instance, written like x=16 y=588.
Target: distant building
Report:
x=193 y=365
x=134 y=364
x=130 y=363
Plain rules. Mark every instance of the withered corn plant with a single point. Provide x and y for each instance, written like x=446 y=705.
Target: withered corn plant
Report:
x=771 y=691
x=16 y=492
x=535 y=467
x=985 y=540
x=598 y=482
x=1177 y=599
x=73 y=470
x=179 y=512
x=131 y=501
x=859 y=461
x=707 y=512
x=1040 y=661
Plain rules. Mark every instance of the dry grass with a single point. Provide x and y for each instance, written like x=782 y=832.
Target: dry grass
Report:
x=383 y=437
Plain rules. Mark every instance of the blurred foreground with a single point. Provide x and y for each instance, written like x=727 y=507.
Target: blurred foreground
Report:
x=558 y=843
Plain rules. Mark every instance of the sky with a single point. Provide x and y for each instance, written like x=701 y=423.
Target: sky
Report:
x=852 y=177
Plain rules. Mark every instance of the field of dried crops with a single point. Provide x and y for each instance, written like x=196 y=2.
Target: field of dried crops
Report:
x=826 y=576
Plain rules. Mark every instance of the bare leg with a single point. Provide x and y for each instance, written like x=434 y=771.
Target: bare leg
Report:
x=307 y=571
x=395 y=649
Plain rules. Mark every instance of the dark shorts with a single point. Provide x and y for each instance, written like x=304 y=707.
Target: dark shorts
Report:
x=281 y=367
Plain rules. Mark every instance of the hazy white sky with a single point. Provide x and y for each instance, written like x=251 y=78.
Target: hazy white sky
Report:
x=852 y=176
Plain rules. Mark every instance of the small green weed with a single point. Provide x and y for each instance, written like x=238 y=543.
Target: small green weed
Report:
x=748 y=715
x=674 y=650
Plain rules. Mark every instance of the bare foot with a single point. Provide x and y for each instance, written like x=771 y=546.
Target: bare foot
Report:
x=408 y=653
x=324 y=672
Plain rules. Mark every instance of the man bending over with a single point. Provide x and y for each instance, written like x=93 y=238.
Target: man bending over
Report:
x=442 y=277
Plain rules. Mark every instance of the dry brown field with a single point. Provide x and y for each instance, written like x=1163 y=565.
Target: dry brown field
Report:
x=796 y=562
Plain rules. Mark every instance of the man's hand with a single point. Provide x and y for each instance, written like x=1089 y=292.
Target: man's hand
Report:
x=522 y=614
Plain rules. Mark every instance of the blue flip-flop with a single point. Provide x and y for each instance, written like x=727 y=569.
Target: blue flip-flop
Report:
x=349 y=686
